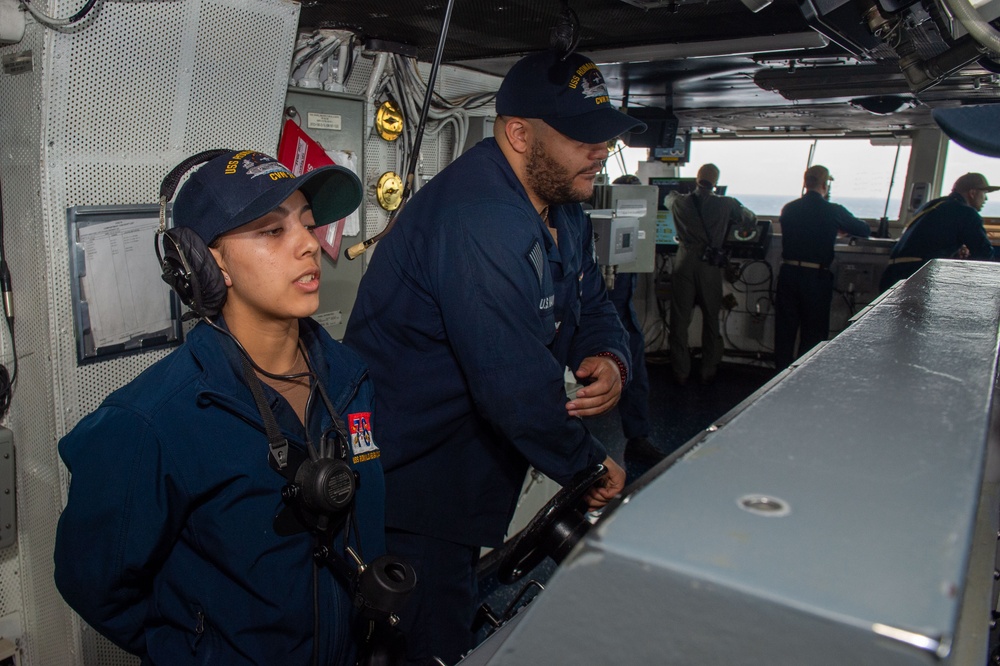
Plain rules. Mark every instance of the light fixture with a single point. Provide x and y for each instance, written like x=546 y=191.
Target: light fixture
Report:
x=883 y=105
x=755 y=5
x=789 y=132
x=789 y=41
x=746 y=46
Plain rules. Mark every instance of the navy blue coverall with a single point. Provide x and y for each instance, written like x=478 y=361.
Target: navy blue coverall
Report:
x=633 y=406
x=938 y=230
x=467 y=315
x=809 y=228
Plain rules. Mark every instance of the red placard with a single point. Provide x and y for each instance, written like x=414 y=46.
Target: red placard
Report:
x=301 y=154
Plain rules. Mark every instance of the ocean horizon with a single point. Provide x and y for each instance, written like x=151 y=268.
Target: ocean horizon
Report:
x=863 y=207
x=868 y=208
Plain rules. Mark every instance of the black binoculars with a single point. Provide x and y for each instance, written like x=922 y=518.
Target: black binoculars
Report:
x=715 y=257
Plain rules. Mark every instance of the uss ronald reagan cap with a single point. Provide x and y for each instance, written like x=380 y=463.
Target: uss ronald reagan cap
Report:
x=569 y=95
x=973 y=181
x=242 y=186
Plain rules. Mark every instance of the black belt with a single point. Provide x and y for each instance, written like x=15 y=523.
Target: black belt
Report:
x=804 y=264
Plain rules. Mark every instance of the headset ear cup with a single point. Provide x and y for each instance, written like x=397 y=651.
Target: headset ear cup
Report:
x=174 y=272
x=191 y=270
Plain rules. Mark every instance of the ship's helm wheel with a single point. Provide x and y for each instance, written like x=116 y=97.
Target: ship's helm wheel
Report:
x=553 y=532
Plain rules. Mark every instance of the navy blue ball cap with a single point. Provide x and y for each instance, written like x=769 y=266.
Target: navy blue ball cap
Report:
x=972 y=127
x=242 y=186
x=569 y=95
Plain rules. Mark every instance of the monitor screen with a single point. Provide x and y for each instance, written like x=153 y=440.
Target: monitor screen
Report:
x=661 y=128
x=670 y=185
x=666 y=230
x=666 y=233
x=677 y=151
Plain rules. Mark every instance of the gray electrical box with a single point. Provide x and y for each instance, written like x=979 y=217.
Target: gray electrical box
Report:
x=336 y=122
x=614 y=237
x=640 y=202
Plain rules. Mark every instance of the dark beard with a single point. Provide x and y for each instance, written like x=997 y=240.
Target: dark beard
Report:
x=549 y=180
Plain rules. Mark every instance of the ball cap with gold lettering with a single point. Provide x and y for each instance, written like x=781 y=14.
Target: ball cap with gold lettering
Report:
x=241 y=186
x=568 y=94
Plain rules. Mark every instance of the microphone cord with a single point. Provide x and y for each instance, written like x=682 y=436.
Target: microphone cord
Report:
x=7 y=379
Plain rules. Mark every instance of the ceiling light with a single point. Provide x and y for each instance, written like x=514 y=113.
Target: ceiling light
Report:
x=749 y=46
x=790 y=41
x=883 y=105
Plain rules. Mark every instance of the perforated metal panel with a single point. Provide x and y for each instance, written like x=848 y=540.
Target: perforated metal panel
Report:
x=104 y=114
x=32 y=417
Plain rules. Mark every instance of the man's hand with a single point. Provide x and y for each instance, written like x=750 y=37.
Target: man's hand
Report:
x=607 y=486
x=603 y=387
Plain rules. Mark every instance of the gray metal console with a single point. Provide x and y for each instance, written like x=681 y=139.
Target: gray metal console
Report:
x=846 y=514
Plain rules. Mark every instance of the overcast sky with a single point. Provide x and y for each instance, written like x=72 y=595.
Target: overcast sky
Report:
x=762 y=166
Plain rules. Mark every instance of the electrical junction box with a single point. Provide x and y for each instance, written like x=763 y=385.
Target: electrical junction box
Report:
x=637 y=201
x=8 y=503
x=615 y=237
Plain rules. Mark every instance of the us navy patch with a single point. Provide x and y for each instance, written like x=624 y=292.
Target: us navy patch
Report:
x=362 y=445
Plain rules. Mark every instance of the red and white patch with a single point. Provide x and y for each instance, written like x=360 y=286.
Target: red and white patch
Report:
x=362 y=443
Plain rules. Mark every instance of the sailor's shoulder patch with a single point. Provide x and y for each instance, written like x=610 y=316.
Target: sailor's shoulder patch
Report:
x=362 y=443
